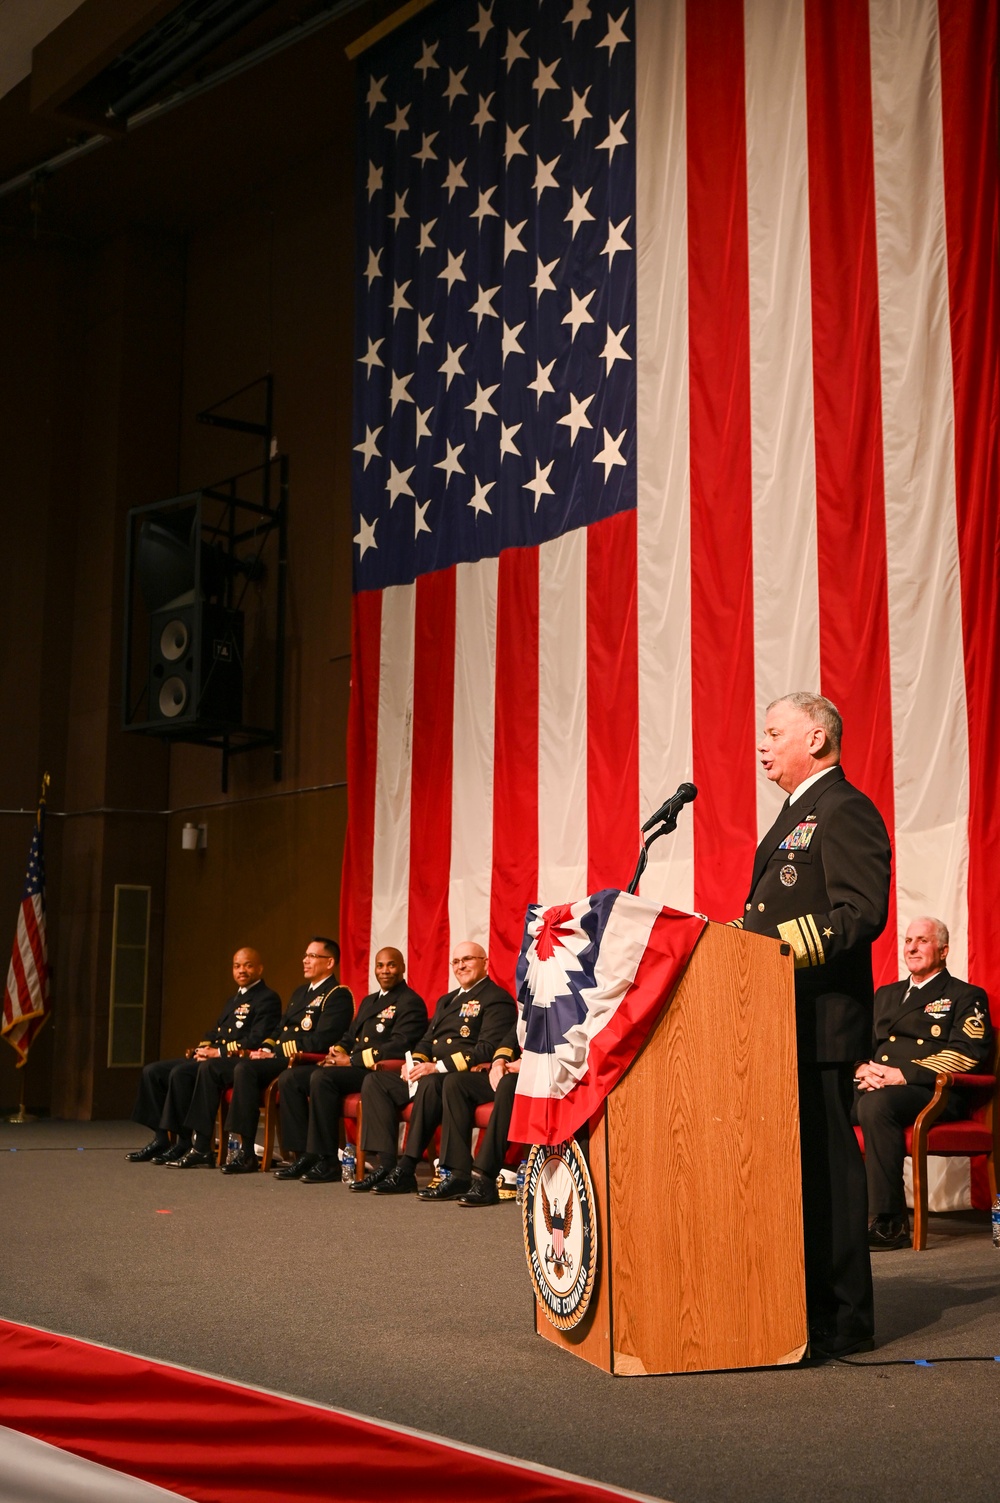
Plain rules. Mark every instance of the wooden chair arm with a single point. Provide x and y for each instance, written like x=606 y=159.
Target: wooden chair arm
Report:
x=306 y=1059
x=932 y=1111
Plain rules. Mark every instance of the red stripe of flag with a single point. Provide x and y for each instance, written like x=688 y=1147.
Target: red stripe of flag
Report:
x=515 y=759
x=362 y=751
x=722 y=639
x=36 y=942
x=188 y=1432
x=612 y=702
x=850 y=489
x=431 y=778
x=969 y=108
x=20 y=1001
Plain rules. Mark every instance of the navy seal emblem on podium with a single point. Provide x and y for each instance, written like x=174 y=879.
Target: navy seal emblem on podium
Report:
x=560 y=1232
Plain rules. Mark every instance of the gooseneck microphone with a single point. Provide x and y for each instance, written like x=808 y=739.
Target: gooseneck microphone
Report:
x=685 y=794
x=666 y=818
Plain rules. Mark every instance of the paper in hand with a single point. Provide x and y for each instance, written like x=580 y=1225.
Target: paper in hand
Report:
x=411 y=1084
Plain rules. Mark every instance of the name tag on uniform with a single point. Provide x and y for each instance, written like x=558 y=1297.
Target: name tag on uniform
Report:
x=800 y=837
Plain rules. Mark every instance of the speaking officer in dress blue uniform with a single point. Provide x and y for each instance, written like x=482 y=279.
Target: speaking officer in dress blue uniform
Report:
x=387 y=1023
x=821 y=882
x=466 y=1028
x=315 y=1018
x=167 y=1085
x=928 y=1024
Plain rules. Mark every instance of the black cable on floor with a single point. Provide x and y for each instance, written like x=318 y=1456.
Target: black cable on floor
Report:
x=913 y=1361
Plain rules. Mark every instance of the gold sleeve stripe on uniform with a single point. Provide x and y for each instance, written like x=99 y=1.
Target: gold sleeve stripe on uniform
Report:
x=420 y=1058
x=947 y=1059
x=459 y=1062
x=504 y=1054
x=273 y=1043
x=736 y=923
x=803 y=936
x=811 y=925
x=233 y=1048
x=368 y=1059
x=290 y=1047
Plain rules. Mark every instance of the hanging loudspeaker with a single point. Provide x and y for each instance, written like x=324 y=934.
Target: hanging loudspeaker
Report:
x=196 y=668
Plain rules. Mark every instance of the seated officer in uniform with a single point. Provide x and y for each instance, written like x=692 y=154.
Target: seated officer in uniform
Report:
x=466 y=1028
x=929 y=1024
x=167 y=1085
x=316 y=1017
x=387 y=1023
x=473 y=1181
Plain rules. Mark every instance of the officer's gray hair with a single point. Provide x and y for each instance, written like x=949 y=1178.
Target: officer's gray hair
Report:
x=822 y=712
x=938 y=925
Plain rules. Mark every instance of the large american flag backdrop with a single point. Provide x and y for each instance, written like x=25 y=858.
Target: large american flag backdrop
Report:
x=676 y=389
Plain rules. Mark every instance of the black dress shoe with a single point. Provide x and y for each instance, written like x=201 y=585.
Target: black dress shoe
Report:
x=242 y=1163
x=372 y=1178
x=153 y=1148
x=324 y=1172
x=193 y=1159
x=445 y=1189
x=297 y=1168
x=171 y=1153
x=886 y=1233
x=397 y=1182
x=825 y=1347
x=482 y=1192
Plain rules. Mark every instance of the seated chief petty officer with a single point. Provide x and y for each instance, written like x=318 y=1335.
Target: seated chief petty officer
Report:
x=167 y=1085
x=316 y=1016
x=466 y=1028
x=930 y=1024
x=387 y=1023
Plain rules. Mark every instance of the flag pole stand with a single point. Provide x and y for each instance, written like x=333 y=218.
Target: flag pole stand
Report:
x=21 y=1115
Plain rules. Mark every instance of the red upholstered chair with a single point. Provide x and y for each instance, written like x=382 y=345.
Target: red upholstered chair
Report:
x=978 y=1131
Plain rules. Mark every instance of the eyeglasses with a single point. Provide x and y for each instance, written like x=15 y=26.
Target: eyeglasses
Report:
x=308 y=956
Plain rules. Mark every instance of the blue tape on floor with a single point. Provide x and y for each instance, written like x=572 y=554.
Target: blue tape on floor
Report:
x=922 y=1362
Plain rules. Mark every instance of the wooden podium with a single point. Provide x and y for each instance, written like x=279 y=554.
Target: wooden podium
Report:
x=695 y=1162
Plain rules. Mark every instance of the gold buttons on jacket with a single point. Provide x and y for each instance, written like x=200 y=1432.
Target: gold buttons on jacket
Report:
x=892 y=1038
x=919 y=1041
x=885 y=1059
x=760 y=907
x=748 y=908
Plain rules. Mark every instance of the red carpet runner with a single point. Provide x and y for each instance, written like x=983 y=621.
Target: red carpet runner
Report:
x=218 y=1442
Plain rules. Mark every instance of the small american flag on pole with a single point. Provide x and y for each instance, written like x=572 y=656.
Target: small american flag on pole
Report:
x=26 y=996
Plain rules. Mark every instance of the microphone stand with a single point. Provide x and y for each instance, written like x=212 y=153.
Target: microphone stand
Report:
x=668 y=827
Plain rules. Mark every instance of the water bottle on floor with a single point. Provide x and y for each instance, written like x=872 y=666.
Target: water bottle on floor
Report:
x=232 y=1147
x=348 y=1163
x=996 y=1221
x=521 y=1170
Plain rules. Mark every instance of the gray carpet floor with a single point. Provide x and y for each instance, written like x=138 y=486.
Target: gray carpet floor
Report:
x=422 y=1315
